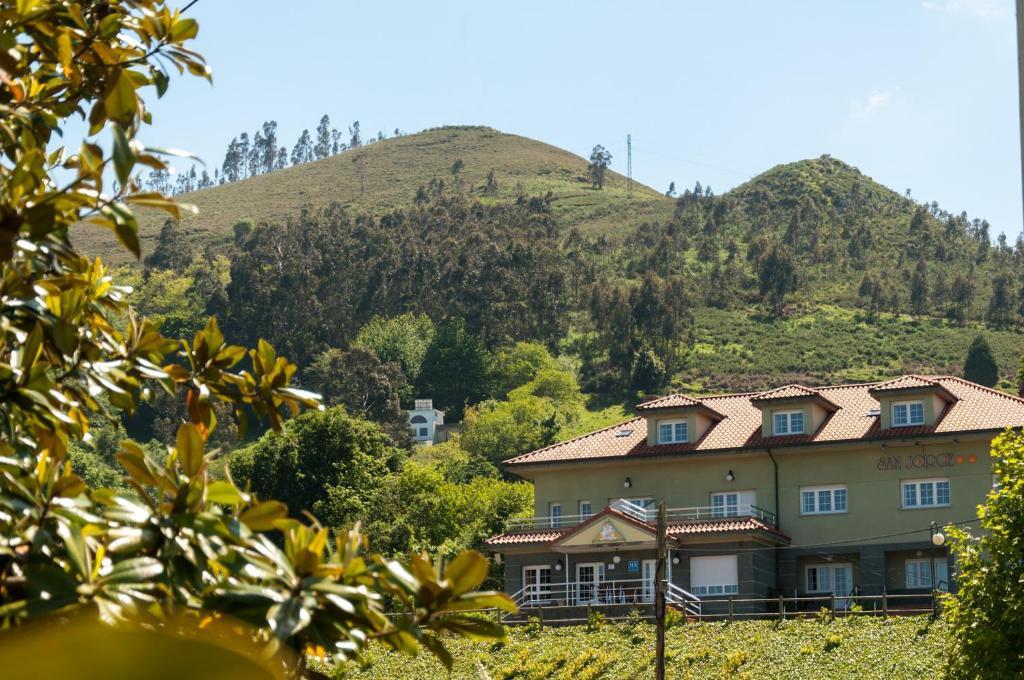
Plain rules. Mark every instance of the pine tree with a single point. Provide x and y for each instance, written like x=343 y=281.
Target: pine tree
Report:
x=980 y=365
x=354 y=140
x=1002 y=306
x=244 y=156
x=232 y=166
x=281 y=158
x=302 y=152
x=671 y=190
x=919 y=288
x=323 y=139
x=270 y=140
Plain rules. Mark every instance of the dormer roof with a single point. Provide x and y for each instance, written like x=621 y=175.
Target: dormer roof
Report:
x=790 y=393
x=973 y=408
x=912 y=384
x=677 y=401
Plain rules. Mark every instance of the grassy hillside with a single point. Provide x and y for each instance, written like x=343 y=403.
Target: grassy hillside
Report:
x=394 y=169
x=848 y=648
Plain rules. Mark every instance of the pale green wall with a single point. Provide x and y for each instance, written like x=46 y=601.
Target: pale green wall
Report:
x=873 y=495
x=683 y=481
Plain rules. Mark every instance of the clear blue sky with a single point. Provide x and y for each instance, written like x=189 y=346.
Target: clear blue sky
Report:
x=918 y=94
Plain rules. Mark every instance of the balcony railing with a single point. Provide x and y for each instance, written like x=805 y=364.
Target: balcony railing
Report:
x=576 y=593
x=648 y=515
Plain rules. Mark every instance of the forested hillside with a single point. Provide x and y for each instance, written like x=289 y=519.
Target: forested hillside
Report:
x=533 y=303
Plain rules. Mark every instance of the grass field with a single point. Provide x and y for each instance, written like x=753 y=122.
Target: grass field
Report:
x=911 y=647
x=393 y=170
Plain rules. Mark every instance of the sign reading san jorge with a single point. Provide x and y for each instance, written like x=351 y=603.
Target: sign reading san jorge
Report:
x=920 y=461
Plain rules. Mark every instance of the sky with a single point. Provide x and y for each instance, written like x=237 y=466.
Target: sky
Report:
x=918 y=94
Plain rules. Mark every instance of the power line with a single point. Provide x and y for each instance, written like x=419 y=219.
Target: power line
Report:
x=825 y=544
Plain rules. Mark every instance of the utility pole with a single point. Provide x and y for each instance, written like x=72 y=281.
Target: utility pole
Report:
x=629 y=160
x=659 y=592
x=1020 y=84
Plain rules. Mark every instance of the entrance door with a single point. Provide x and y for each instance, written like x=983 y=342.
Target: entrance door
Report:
x=649 y=568
x=537 y=584
x=588 y=579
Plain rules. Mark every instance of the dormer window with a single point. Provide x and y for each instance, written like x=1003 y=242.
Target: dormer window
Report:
x=788 y=422
x=906 y=413
x=673 y=432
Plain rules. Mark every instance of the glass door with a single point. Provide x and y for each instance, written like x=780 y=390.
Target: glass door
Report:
x=588 y=578
x=537 y=585
x=649 y=569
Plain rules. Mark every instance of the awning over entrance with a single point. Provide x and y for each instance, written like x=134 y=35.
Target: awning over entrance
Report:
x=613 y=530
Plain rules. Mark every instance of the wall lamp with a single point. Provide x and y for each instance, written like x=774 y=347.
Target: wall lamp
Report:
x=729 y=476
x=628 y=483
x=558 y=565
x=675 y=559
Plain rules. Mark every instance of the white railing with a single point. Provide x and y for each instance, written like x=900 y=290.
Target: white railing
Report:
x=646 y=515
x=617 y=592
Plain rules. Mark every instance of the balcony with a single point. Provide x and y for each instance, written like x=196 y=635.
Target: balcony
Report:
x=647 y=515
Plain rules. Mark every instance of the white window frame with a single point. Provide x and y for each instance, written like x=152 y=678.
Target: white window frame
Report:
x=674 y=433
x=555 y=517
x=831 y=567
x=917 y=485
x=907 y=407
x=589 y=511
x=788 y=417
x=538 y=593
x=831 y=490
x=918 y=575
x=727 y=509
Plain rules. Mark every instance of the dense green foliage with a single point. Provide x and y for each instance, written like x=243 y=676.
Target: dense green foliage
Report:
x=987 y=613
x=846 y=648
x=178 y=549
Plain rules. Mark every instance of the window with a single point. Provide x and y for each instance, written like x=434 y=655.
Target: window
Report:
x=423 y=432
x=919 y=574
x=725 y=504
x=905 y=413
x=822 y=500
x=788 y=422
x=717 y=575
x=829 y=578
x=925 y=493
x=584 y=510
x=555 y=511
x=672 y=432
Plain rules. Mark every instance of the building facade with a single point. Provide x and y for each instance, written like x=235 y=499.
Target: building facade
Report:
x=425 y=422
x=796 y=491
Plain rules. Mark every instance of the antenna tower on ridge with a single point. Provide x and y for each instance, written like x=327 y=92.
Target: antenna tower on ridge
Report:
x=629 y=166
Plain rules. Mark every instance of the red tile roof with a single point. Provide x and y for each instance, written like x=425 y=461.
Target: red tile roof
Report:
x=675 y=530
x=975 y=408
x=525 y=537
x=671 y=401
x=915 y=383
x=789 y=392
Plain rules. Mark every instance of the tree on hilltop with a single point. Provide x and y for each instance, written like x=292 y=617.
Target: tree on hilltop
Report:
x=600 y=159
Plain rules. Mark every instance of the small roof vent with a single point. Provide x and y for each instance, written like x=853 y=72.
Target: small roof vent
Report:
x=874 y=413
x=623 y=433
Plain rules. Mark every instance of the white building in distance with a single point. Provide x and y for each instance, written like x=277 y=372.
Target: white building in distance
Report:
x=425 y=421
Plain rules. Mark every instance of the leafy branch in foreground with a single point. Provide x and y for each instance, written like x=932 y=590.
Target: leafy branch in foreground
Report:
x=72 y=350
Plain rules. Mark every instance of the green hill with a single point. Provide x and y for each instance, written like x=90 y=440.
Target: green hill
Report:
x=393 y=170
